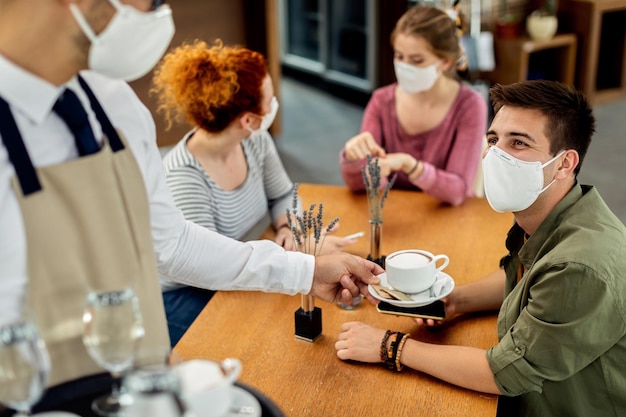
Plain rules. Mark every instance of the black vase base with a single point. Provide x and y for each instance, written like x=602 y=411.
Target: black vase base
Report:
x=380 y=261
x=308 y=324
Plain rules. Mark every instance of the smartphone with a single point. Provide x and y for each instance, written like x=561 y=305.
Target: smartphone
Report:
x=435 y=310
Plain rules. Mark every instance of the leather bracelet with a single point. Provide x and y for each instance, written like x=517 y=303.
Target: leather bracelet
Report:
x=383 y=346
x=417 y=162
x=395 y=345
x=390 y=359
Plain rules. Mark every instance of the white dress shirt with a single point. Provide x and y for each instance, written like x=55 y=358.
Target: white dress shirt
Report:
x=185 y=252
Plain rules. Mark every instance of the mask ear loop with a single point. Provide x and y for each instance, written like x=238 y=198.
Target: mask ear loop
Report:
x=82 y=22
x=246 y=121
x=545 y=165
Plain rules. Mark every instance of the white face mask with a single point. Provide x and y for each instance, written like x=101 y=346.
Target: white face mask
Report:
x=268 y=118
x=510 y=183
x=414 y=79
x=132 y=43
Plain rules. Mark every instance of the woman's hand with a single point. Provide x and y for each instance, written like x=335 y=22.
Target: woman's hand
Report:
x=360 y=342
x=334 y=244
x=328 y=242
x=361 y=145
x=284 y=238
x=393 y=162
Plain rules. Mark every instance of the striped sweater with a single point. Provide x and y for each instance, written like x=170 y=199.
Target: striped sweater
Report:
x=240 y=213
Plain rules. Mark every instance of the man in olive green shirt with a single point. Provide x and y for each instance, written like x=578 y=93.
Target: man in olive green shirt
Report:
x=561 y=291
x=562 y=349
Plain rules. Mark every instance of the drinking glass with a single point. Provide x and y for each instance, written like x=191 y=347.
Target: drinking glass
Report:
x=24 y=366
x=154 y=390
x=112 y=327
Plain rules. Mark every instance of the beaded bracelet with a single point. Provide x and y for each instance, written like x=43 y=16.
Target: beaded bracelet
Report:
x=399 y=366
x=383 y=346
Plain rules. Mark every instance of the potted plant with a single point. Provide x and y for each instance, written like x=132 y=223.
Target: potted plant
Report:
x=543 y=23
x=508 y=25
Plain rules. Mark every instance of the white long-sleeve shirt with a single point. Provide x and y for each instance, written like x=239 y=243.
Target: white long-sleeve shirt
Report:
x=185 y=252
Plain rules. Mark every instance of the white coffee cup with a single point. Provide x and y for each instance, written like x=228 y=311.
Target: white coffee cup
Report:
x=413 y=270
x=207 y=386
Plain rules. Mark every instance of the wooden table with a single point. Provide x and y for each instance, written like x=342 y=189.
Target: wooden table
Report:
x=307 y=379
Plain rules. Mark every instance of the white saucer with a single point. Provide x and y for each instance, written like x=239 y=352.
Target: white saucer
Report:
x=55 y=414
x=443 y=281
x=244 y=398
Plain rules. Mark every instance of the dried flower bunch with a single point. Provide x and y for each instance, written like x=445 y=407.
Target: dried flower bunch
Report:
x=375 y=199
x=308 y=228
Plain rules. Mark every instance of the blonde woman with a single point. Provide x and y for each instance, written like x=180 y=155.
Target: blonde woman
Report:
x=428 y=127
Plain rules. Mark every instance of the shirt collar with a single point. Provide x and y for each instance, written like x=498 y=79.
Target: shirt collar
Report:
x=27 y=93
x=550 y=223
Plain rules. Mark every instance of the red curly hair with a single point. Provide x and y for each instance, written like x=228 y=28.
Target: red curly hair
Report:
x=209 y=87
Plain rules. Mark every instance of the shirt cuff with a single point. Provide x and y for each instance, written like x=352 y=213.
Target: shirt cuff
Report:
x=427 y=178
x=512 y=373
x=300 y=269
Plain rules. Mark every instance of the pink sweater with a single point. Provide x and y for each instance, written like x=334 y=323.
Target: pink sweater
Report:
x=450 y=152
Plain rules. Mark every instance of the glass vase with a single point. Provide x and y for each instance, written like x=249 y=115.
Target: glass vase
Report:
x=376 y=235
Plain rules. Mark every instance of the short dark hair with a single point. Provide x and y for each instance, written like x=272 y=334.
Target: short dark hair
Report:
x=570 y=120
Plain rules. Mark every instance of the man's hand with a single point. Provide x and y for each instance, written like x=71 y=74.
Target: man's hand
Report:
x=341 y=277
x=359 y=342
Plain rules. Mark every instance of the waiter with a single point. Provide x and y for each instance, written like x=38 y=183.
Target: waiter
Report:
x=83 y=202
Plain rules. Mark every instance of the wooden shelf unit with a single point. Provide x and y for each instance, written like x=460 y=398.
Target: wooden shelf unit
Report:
x=519 y=59
x=601 y=29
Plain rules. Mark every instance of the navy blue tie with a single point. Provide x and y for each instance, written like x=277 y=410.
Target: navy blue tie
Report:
x=70 y=109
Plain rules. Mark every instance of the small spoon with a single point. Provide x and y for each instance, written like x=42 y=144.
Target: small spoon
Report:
x=386 y=292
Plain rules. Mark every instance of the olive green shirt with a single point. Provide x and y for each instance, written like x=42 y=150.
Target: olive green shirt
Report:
x=562 y=328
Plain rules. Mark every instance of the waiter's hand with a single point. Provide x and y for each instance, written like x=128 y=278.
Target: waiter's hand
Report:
x=341 y=277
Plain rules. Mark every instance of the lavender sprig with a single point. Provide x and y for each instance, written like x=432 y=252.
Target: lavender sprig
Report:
x=387 y=188
x=330 y=227
x=308 y=228
x=372 y=180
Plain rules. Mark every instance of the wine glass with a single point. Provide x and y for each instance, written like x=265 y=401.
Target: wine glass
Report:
x=24 y=366
x=154 y=390
x=112 y=327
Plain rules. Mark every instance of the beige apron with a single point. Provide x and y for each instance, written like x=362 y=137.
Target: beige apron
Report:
x=89 y=228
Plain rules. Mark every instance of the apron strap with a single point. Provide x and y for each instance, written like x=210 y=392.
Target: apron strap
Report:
x=107 y=127
x=18 y=155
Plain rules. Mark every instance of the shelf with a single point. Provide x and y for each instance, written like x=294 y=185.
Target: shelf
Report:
x=601 y=65
x=520 y=59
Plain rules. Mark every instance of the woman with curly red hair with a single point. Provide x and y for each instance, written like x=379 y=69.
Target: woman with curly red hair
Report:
x=225 y=174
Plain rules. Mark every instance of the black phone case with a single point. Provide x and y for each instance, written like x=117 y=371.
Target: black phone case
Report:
x=435 y=310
